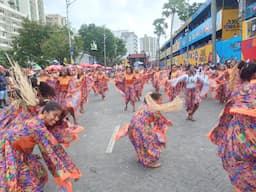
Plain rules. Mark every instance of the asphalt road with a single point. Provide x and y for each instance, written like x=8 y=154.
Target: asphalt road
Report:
x=189 y=163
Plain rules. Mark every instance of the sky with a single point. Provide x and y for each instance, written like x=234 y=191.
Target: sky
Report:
x=133 y=15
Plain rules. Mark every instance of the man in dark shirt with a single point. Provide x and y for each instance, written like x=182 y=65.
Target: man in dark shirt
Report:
x=3 y=90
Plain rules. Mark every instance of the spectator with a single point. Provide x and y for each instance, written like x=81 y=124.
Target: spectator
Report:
x=3 y=90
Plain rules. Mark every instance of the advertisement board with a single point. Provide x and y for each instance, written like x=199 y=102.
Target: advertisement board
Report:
x=251 y=28
x=249 y=49
x=250 y=11
x=197 y=56
x=200 y=55
x=201 y=31
x=204 y=29
x=233 y=45
x=230 y=23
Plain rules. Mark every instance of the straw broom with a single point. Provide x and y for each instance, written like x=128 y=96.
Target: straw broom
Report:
x=22 y=84
x=234 y=76
x=175 y=105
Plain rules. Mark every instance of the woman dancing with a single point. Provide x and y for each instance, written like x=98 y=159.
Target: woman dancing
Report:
x=148 y=127
x=235 y=135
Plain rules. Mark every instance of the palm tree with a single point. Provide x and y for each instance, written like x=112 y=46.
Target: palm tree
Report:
x=170 y=9
x=160 y=26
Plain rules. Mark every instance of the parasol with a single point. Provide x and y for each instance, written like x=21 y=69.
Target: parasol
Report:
x=53 y=68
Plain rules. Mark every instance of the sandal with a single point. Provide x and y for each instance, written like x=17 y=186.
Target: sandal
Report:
x=154 y=165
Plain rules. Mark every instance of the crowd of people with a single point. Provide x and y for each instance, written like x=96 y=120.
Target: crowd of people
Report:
x=41 y=104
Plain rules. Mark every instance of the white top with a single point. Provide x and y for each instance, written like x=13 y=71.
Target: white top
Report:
x=191 y=81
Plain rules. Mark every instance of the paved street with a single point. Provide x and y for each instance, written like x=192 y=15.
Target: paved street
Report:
x=189 y=163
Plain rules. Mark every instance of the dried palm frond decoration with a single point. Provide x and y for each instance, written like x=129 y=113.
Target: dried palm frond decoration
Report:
x=22 y=84
x=234 y=76
x=175 y=105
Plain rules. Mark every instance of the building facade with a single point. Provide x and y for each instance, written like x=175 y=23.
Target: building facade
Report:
x=55 y=19
x=130 y=39
x=10 y=21
x=10 y=3
x=24 y=7
x=192 y=42
x=149 y=46
x=12 y=14
x=37 y=11
x=33 y=9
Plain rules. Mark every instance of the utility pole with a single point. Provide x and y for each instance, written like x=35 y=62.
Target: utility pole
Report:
x=242 y=5
x=187 y=35
x=105 y=61
x=68 y=3
x=166 y=40
x=171 y=38
x=213 y=14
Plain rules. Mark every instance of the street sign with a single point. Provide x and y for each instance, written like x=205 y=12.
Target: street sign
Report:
x=94 y=46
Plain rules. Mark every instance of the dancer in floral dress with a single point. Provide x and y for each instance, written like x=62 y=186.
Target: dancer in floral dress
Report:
x=236 y=145
x=126 y=85
x=148 y=127
x=101 y=84
x=21 y=169
x=156 y=79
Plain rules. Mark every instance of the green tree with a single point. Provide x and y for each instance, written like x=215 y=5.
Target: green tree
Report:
x=119 y=51
x=186 y=10
x=56 y=46
x=114 y=46
x=160 y=27
x=27 y=46
x=40 y=44
x=171 y=8
x=3 y=59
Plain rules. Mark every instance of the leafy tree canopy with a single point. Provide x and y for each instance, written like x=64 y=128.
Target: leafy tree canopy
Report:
x=188 y=10
x=160 y=26
x=172 y=7
x=3 y=59
x=92 y=34
x=40 y=44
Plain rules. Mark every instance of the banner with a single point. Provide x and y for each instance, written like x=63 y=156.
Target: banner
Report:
x=93 y=46
x=201 y=31
x=230 y=23
x=204 y=29
x=197 y=56
x=233 y=46
x=249 y=49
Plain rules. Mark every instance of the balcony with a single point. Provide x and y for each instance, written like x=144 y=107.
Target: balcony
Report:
x=4 y=45
x=14 y=33
x=2 y=28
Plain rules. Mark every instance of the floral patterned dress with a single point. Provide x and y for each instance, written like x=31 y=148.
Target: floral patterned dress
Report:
x=156 y=81
x=101 y=84
x=170 y=90
x=147 y=133
x=21 y=170
x=236 y=144
x=139 y=84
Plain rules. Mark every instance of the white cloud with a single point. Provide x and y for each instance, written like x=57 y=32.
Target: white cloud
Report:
x=119 y=3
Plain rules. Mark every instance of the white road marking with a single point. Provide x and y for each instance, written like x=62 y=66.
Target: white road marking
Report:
x=112 y=141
